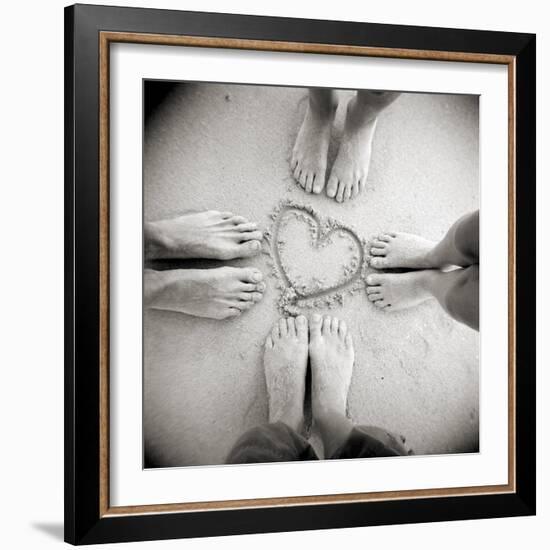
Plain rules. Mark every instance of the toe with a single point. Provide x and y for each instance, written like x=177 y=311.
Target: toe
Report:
x=342 y=329
x=318 y=182
x=376 y=251
x=275 y=332
x=282 y=327
x=248 y=249
x=301 y=326
x=354 y=189
x=374 y=279
x=334 y=325
x=243 y=306
x=297 y=173
x=238 y=220
x=269 y=342
x=379 y=263
x=340 y=194
x=327 y=321
x=291 y=326
x=251 y=287
x=233 y=312
x=332 y=186
x=250 y=275
x=255 y=296
x=384 y=237
x=347 y=193
x=379 y=244
x=249 y=226
x=303 y=177
x=309 y=183
x=374 y=296
x=251 y=236
x=315 y=325
x=226 y=215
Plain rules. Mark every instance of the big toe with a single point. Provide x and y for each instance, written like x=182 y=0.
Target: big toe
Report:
x=374 y=280
x=318 y=182
x=250 y=275
x=249 y=249
x=379 y=262
x=332 y=186
x=301 y=327
x=315 y=325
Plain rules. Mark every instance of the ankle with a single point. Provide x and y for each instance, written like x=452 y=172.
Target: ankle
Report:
x=429 y=279
x=322 y=108
x=293 y=417
x=324 y=407
x=361 y=111
x=334 y=429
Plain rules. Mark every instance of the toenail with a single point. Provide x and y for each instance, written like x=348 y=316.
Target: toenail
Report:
x=261 y=287
x=370 y=280
x=301 y=319
x=256 y=245
x=257 y=276
x=316 y=317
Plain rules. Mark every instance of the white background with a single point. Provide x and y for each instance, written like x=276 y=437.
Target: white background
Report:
x=130 y=484
x=31 y=225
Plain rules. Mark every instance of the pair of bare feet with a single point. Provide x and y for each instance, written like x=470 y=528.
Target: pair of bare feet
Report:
x=216 y=293
x=348 y=176
x=395 y=291
x=329 y=347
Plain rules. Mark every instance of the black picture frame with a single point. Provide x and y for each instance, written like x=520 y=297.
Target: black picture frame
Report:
x=84 y=521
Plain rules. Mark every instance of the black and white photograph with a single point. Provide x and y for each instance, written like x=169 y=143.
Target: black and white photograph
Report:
x=311 y=274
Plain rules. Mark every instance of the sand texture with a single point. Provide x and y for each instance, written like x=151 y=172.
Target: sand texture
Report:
x=225 y=147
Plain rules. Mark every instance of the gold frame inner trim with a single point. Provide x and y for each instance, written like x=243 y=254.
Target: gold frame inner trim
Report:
x=105 y=39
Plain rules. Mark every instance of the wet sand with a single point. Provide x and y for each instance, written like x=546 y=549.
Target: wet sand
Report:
x=227 y=148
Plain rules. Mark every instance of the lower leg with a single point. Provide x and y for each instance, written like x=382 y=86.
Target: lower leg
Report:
x=371 y=103
x=460 y=296
x=270 y=443
x=322 y=100
x=460 y=246
x=370 y=442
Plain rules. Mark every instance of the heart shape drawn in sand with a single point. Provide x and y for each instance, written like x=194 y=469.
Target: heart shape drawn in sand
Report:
x=317 y=261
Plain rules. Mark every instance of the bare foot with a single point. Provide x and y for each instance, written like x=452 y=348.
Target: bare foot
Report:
x=214 y=293
x=309 y=156
x=394 y=249
x=331 y=354
x=285 y=363
x=395 y=291
x=210 y=235
x=349 y=172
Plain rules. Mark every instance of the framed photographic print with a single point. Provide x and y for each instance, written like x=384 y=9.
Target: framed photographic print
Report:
x=300 y=278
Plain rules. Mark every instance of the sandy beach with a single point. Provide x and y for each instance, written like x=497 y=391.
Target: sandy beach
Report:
x=227 y=147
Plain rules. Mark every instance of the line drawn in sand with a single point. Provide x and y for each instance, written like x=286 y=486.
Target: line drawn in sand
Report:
x=295 y=293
